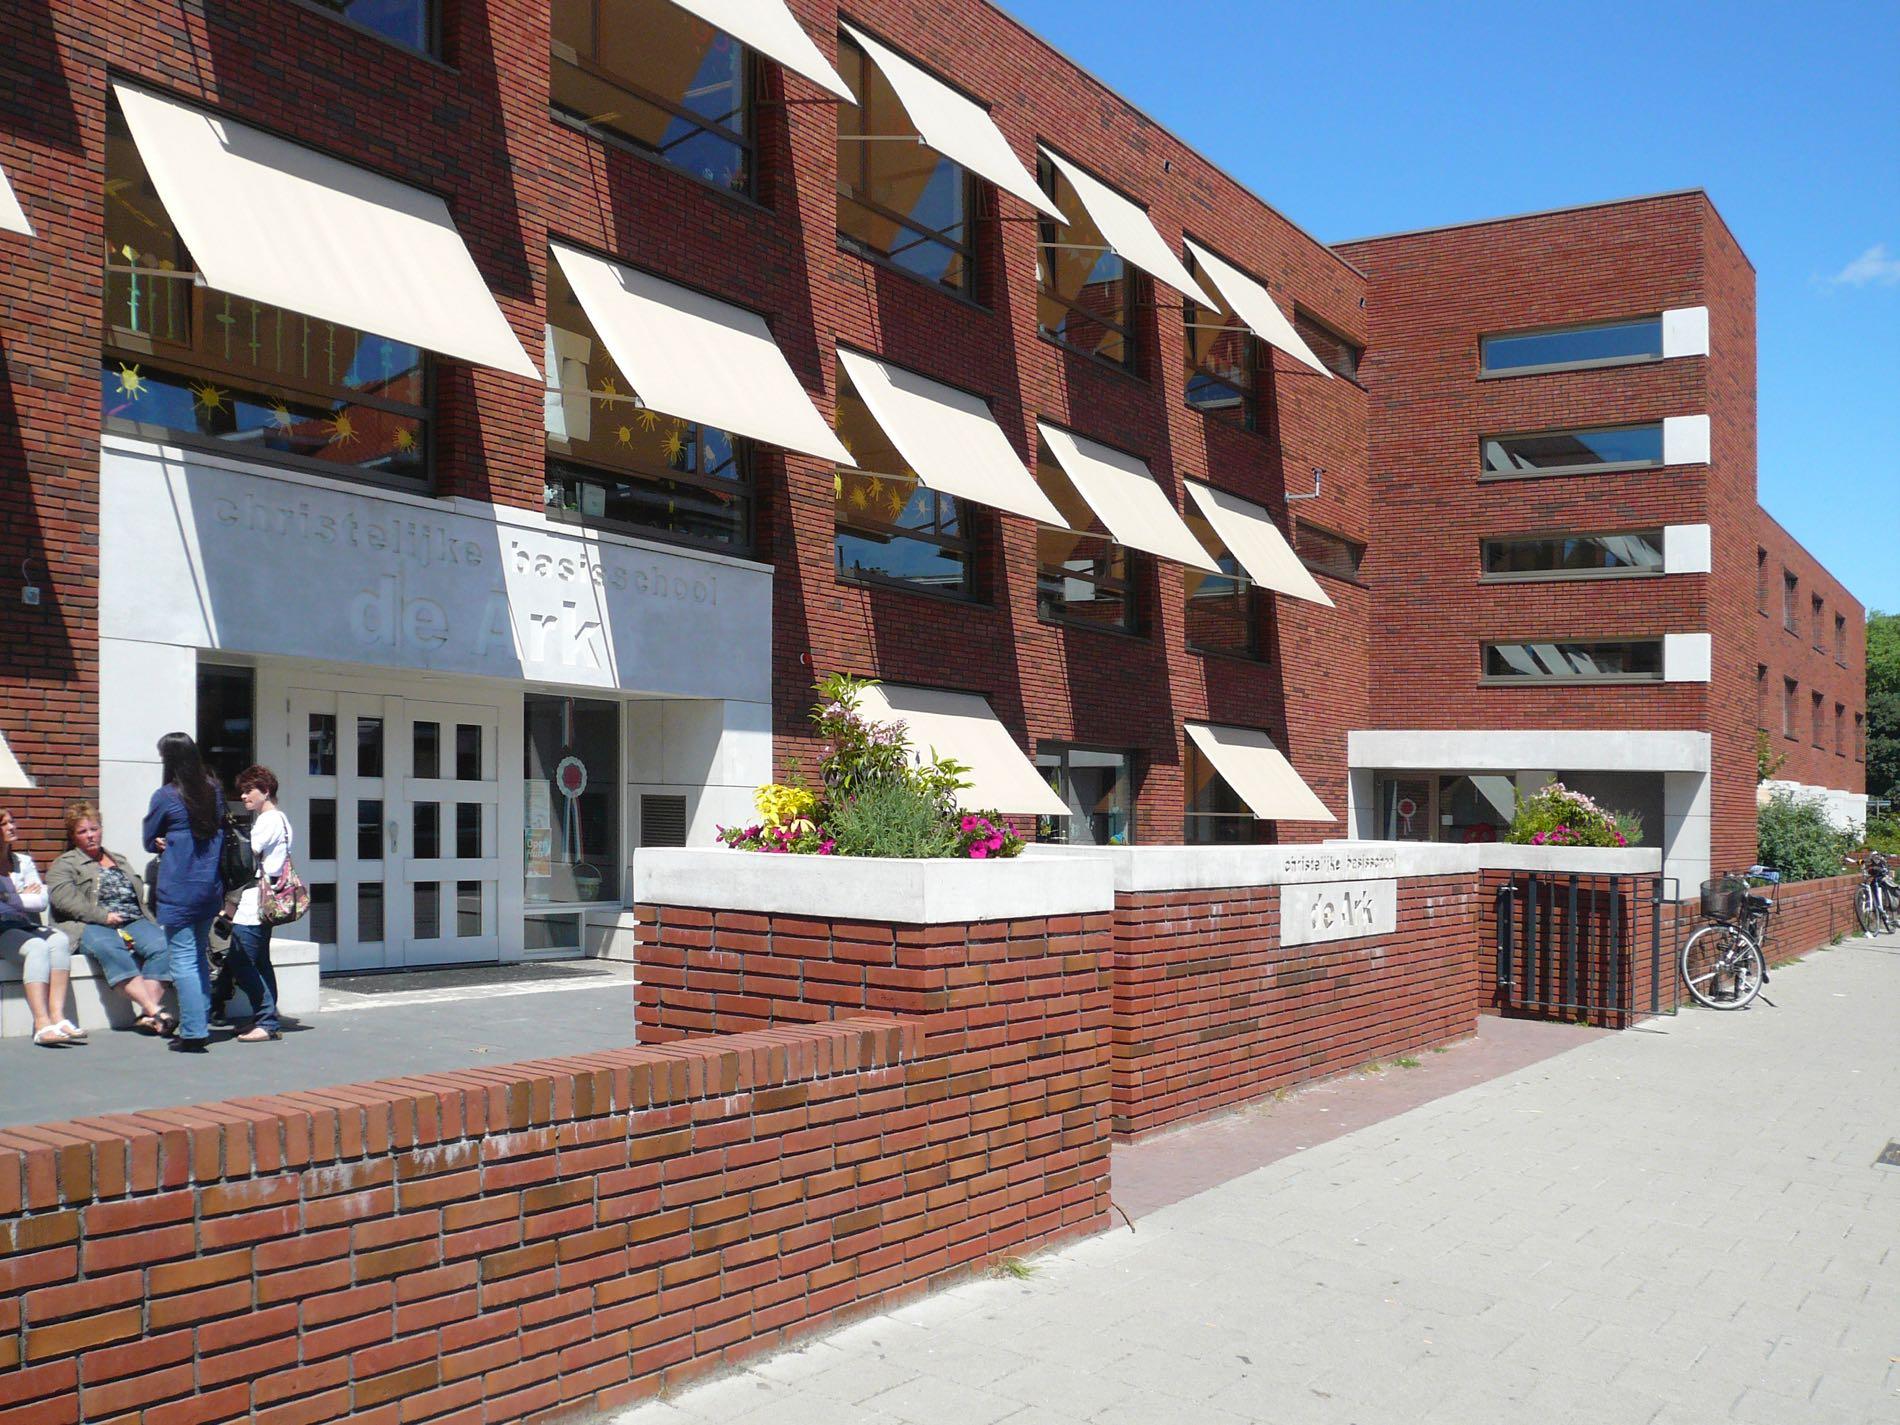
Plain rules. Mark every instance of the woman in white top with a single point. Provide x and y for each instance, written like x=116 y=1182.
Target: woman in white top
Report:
x=250 y=937
x=48 y=953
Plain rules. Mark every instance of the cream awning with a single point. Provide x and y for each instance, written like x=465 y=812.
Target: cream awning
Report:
x=948 y=437
x=1126 y=228
x=283 y=224
x=768 y=27
x=1258 y=772
x=1255 y=540
x=12 y=216
x=13 y=776
x=958 y=128
x=696 y=357
x=1251 y=302
x=962 y=727
x=1123 y=493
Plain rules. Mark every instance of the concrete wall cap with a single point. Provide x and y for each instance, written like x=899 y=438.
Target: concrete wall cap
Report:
x=873 y=888
x=1585 y=860
x=1187 y=868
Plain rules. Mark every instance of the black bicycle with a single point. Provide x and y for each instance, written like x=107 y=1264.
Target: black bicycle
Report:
x=1877 y=899
x=1723 y=964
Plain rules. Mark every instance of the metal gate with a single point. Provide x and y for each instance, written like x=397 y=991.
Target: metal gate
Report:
x=1587 y=947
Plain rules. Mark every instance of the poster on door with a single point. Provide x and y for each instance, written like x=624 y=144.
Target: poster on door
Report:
x=540 y=828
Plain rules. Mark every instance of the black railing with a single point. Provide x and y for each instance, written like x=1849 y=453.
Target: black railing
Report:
x=1574 y=945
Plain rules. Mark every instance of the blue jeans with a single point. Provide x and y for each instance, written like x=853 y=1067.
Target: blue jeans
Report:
x=191 y=976
x=148 y=955
x=251 y=969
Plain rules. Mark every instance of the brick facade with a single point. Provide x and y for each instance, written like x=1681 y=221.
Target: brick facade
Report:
x=1830 y=660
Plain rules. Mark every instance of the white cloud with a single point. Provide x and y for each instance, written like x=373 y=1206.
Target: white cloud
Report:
x=1874 y=267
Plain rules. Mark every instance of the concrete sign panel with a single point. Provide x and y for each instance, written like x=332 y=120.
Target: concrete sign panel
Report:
x=1319 y=911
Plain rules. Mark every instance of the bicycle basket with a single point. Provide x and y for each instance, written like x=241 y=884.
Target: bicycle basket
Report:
x=1722 y=899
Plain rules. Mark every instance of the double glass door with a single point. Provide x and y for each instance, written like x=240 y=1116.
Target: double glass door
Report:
x=396 y=806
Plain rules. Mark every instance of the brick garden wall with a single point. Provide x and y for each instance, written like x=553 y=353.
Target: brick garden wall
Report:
x=1210 y=1009
x=1811 y=915
x=487 y=1245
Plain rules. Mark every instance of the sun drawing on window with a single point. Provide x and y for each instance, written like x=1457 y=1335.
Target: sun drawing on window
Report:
x=624 y=435
x=673 y=445
x=405 y=439
x=130 y=382
x=281 y=416
x=342 y=429
x=648 y=418
x=207 y=397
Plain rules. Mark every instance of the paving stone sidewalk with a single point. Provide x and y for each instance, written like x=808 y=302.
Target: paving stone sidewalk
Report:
x=1681 y=1223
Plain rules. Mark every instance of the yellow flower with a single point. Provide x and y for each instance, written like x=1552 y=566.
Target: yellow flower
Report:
x=779 y=804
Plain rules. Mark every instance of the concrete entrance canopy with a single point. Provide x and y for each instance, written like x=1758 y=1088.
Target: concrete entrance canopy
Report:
x=1533 y=758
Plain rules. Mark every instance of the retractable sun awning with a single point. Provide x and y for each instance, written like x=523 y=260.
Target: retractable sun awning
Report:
x=1255 y=540
x=961 y=726
x=948 y=437
x=1126 y=229
x=1258 y=772
x=13 y=776
x=958 y=128
x=768 y=27
x=1123 y=493
x=282 y=224
x=12 y=217
x=1251 y=302
x=696 y=357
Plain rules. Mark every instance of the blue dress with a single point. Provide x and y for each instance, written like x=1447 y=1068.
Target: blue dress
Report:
x=190 y=889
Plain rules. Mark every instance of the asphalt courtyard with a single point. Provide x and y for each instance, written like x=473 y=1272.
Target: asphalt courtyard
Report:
x=1685 y=1222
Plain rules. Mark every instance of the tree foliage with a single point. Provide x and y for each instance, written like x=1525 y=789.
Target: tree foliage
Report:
x=1883 y=704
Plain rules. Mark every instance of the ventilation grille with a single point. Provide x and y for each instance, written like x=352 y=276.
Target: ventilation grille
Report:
x=663 y=820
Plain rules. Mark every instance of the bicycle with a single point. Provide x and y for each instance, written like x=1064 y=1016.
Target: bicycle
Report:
x=1723 y=965
x=1877 y=901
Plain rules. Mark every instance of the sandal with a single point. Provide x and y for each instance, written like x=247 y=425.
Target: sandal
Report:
x=167 y=1023
x=147 y=1021
x=72 y=1031
x=51 y=1037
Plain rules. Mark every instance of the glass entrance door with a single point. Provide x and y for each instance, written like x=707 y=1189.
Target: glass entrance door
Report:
x=396 y=802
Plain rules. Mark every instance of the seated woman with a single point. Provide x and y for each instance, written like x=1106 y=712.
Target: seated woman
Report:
x=47 y=954
x=100 y=903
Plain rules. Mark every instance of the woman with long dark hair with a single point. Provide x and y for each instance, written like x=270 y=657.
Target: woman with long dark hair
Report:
x=185 y=826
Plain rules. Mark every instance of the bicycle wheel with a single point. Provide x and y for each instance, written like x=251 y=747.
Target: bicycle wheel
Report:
x=1889 y=909
x=1867 y=909
x=1722 y=967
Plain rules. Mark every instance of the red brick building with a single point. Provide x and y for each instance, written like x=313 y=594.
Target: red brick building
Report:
x=879 y=338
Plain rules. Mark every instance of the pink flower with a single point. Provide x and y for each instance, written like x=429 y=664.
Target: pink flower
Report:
x=977 y=853
x=968 y=823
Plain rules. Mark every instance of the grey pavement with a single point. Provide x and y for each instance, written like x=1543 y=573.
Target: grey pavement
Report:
x=371 y=1027
x=1680 y=1223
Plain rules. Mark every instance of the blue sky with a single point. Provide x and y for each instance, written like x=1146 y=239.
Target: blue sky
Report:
x=1789 y=115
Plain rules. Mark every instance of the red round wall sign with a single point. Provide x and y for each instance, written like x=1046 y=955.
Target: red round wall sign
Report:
x=570 y=775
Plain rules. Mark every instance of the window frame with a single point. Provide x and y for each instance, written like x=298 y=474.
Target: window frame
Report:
x=1791 y=601
x=1840 y=639
x=1356 y=548
x=1131 y=761
x=1818 y=607
x=1127 y=587
x=1132 y=362
x=966 y=544
x=1260 y=830
x=1790 y=701
x=1487 y=372
x=1761 y=697
x=1840 y=729
x=969 y=250
x=1565 y=576
x=1602 y=467
x=1818 y=715
x=1260 y=611
x=1762 y=605
x=434 y=51
x=1250 y=397
x=1303 y=321
x=748 y=140
x=1489 y=679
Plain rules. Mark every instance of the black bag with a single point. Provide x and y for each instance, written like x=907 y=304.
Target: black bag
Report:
x=237 y=863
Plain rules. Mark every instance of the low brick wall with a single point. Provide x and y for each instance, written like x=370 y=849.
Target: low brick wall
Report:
x=1211 y=1010
x=491 y=1244
x=1810 y=915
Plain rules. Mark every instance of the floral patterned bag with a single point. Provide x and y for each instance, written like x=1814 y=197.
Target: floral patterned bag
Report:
x=282 y=898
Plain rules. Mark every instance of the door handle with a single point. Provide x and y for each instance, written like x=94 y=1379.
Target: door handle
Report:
x=392 y=828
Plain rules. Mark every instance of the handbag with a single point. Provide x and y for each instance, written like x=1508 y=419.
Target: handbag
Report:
x=237 y=863
x=282 y=898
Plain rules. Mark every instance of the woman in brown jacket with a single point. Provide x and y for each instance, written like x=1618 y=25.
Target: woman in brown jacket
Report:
x=100 y=904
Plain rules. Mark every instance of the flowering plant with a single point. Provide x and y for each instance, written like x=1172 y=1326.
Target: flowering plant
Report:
x=981 y=837
x=779 y=803
x=800 y=836
x=1557 y=816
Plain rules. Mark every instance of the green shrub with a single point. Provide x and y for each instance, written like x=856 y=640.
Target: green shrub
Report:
x=892 y=819
x=1883 y=834
x=1798 y=840
x=1556 y=816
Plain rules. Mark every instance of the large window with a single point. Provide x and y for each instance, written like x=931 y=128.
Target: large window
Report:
x=1324 y=552
x=188 y=363
x=1562 y=452
x=1816 y=716
x=571 y=780
x=899 y=201
x=616 y=463
x=1840 y=639
x=1225 y=612
x=665 y=80
x=408 y=22
x=1761 y=580
x=1082 y=575
x=1221 y=360
x=1339 y=355
x=1636 y=660
x=1840 y=729
x=1574 y=556
x=1819 y=610
x=892 y=529
x=1790 y=700
x=1098 y=786
x=227 y=724
x=1790 y=600
x=1213 y=813
x=1085 y=292
x=1570 y=348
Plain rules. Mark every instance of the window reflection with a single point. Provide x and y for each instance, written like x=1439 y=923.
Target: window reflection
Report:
x=1224 y=612
x=891 y=528
x=1082 y=575
x=1084 y=292
x=1220 y=359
